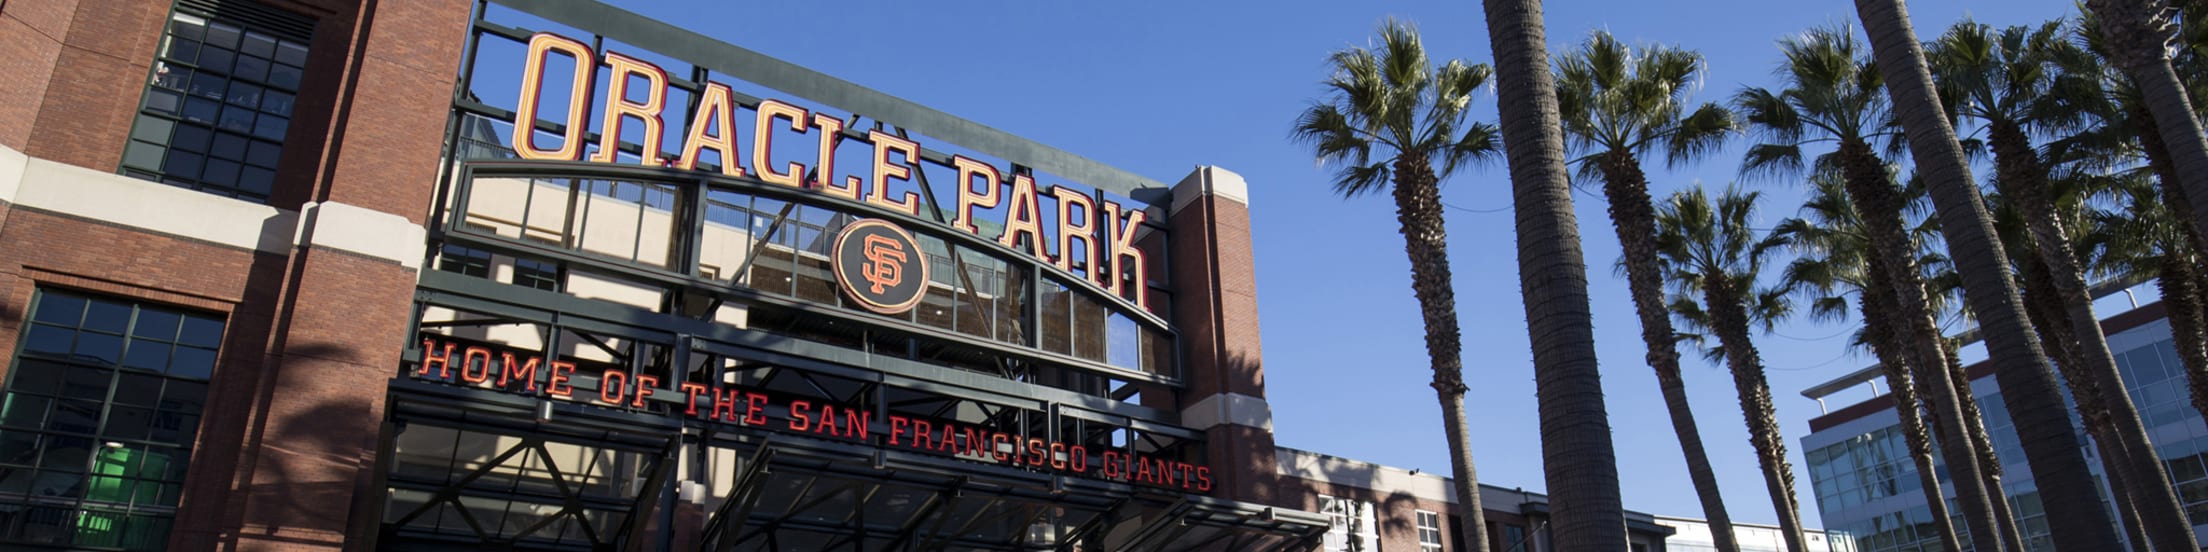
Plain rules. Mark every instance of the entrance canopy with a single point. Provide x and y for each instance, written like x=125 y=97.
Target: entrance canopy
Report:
x=467 y=469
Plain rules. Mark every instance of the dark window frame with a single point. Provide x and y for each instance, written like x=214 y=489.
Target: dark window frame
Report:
x=219 y=131
x=116 y=497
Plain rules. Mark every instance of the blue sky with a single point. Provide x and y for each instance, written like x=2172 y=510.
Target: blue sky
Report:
x=1159 y=88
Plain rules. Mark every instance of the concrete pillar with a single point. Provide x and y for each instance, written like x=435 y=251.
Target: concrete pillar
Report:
x=1214 y=278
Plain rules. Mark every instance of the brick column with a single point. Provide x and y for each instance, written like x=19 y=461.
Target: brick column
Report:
x=342 y=323
x=1215 y=306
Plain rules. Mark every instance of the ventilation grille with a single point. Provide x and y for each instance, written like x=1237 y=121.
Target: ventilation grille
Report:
x=283 y=24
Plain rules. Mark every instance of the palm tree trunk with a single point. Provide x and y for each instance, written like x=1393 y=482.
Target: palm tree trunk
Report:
x=1632 y=213
x=1877 y=305
x=2023 y=180
x=1877 y=202
x=1426 y=241
x=2073 y=504
x=1989 y=463
x=2119 y=494
x=2136 y=34
x=1580 y=465
x=2167 y=181
x=2054 y=330
x=1729 y=318
x=2181 y=301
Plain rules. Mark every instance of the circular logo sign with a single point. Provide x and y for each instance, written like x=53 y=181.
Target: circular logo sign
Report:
x=880 y=266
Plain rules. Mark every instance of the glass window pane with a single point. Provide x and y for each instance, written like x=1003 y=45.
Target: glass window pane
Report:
x=188 y=396
x=74 y=416
x=284 y=76
x=18 y=448
x=209 y=85
x=221 y=172
x=237 y=119
x=106 y=316
x=156 y=324
x=191 y=138
x=276 y=102
x=256 y=180
x=174 y=427
x=184 y=50
x=185 y=164
x=25 y=410
x=201 y=110
x=79 y=382
x=163 y=101
x=152 y=129
x=142 y=155
x=192 y=362
x=99 y=347
x=201 y=331
x=188 y=26
x=222 y=34
x=146 y=356
x=244 y=94
x=271 y=127
x=172 y=77
x=137 y=389
x=59 y=309
x=259 y=44
x=229 y=146
x=250 y=68
x=48 y=339
x=215 y=61
x=292 y=53
x=127 y=422
x=263 y=154
x=36 y=376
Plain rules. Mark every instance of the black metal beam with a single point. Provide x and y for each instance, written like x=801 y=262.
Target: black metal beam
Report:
x=647 y=502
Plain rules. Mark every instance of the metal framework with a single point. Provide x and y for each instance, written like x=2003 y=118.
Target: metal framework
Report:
x=511 y=479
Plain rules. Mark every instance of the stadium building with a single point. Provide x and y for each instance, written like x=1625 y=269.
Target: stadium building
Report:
x=548 y=275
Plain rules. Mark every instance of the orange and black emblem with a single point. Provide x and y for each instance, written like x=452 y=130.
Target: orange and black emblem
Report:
x=880 y=266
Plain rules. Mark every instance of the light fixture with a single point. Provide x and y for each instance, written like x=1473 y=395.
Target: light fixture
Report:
x=113 y=445
x=544 y=411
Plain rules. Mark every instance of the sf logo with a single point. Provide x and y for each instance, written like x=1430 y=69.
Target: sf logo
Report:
x=885 y=261
x=880 y=266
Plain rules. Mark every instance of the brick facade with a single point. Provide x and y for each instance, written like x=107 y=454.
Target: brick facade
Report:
x=288 y=433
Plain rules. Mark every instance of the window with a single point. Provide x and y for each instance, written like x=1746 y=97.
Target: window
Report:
x=1429 y=531
x=220 y=99
x=97 y=422
x=537 y=274
x=1350 y=526
x=465 y=261
x=1514 y=539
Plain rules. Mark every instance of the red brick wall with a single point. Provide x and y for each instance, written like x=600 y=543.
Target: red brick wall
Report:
x=297 y=397
x=1215 y=307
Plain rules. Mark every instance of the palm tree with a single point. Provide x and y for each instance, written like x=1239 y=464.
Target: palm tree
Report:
x=2134 y=37
x=2011 y=82
x=1832 y=262
x=1580 y=465
x=1394 y=119
x=1833 y=96
x=1712 y=255
x=2143 y=239
x=1617 y=106
x=2054 y=330
x=2027 y=382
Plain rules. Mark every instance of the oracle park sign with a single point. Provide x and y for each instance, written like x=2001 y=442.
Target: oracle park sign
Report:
x=877 y=262
x=635 y=97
